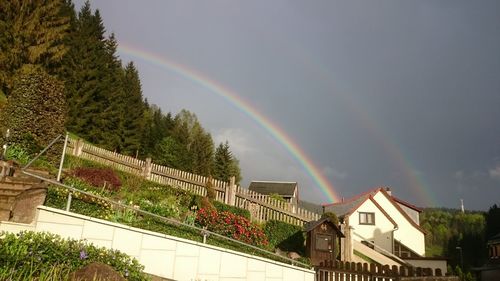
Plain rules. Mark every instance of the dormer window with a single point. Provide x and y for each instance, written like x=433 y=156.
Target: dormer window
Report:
x=366 y=218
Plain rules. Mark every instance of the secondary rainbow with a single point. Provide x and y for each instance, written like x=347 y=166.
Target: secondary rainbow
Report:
x=244 y=106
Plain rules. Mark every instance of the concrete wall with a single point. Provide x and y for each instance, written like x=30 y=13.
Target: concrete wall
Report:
x=407 y=233
x=163 y=255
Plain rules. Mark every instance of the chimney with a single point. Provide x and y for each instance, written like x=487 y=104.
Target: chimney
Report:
x=388 y=190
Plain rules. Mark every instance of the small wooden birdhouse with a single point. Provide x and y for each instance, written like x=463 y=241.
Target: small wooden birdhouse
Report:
x=323 y=241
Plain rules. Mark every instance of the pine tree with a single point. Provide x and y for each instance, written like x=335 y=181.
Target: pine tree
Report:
x=32 y=36
x=133 y=121
x=201 y=151
x=225 y=164
x=93 y=77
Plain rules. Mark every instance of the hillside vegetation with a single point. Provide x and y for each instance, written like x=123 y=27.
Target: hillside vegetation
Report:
x=448 y=229
x=103 y=95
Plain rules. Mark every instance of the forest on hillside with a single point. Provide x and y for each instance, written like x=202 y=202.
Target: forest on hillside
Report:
x=59 y=71
x=451 y=233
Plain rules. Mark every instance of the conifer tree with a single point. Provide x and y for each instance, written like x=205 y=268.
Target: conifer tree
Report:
x=225 y=164
x=132 y=118
x=32 y=36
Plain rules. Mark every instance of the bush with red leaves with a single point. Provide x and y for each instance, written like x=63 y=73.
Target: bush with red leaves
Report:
x=231 y=225
x=99 y=177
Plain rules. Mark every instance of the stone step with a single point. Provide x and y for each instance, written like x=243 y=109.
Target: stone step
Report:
x=25 y=180
x=15 y=185
x=39 y=172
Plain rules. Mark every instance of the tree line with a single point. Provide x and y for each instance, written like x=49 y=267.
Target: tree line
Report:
x=57 y=63
x=460 y=236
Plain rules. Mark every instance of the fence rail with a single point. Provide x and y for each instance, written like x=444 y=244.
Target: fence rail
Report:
x=340 y=271
x=261 y=207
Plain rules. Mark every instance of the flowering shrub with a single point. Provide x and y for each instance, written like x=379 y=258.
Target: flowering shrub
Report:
x=99 y=177
x=230 y=225
x=35 y=253
x=81 y=203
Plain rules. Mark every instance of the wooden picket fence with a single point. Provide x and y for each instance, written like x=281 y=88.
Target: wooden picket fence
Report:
x=347 y=271
x=261 y=207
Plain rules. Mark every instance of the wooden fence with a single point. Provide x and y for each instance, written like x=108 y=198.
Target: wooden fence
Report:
x=261 y=207
x=351 y=271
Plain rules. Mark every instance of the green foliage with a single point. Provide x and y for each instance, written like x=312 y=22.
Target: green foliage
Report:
x=18 y=153
x=449 y=229
x=492 y=222
x=277 y=197
x=332 y=216
x=33 y=254
x=221 y=207
x=132 y=120
x=3 y=99
x=36 y=112
x=287 y=237
x=80 y=203
x=209 y=186
x=33 y=35
x=168 y=206
x=225 y=164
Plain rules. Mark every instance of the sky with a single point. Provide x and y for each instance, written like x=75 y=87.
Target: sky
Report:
x=339 y=96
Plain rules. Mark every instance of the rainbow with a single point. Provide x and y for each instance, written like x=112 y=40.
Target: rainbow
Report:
x=394 y=150
x=244 y=106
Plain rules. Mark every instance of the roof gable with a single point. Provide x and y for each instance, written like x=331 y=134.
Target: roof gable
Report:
x=403 y=213
x=346 y=208
x=313 y=224
x=268 y=187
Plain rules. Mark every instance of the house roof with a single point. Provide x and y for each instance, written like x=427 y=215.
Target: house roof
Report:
x=269 y=187
x=346 y=208
x=411 y=206
x=313 y=224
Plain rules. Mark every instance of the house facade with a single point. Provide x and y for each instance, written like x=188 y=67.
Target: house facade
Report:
x=381 y=222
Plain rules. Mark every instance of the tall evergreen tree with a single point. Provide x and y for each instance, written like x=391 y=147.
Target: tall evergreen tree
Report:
x=133 y=121
x=32 y=36
x=225 y=164
x=93 y=77
x=201 y=151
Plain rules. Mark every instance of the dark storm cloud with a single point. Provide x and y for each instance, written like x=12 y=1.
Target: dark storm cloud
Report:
x=373 y=91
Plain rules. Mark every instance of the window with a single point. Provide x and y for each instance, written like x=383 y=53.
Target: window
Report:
x=323 y=242
x=366 y=218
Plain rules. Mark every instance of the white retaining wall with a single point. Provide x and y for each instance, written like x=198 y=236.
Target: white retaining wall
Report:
x=163 y=255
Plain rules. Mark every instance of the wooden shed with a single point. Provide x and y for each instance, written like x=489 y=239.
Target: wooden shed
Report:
x=323 y=241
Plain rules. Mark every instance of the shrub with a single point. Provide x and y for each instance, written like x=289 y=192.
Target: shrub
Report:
x=35 y=112
x=233 y=226
x=209 y=186
x=38 y=253
x=80 y=203
x=221 y=207
x=287 y=237
x=332 y=216
x=99 y=177
x=166 y=207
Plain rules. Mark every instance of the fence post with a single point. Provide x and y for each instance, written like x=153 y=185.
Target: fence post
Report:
x=78 y=148
x=230 y=194
x=146 y=172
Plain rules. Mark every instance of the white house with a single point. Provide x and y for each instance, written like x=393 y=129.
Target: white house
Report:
x=386 y=224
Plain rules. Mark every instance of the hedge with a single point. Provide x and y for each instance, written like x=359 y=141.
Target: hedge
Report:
x=287 y=237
